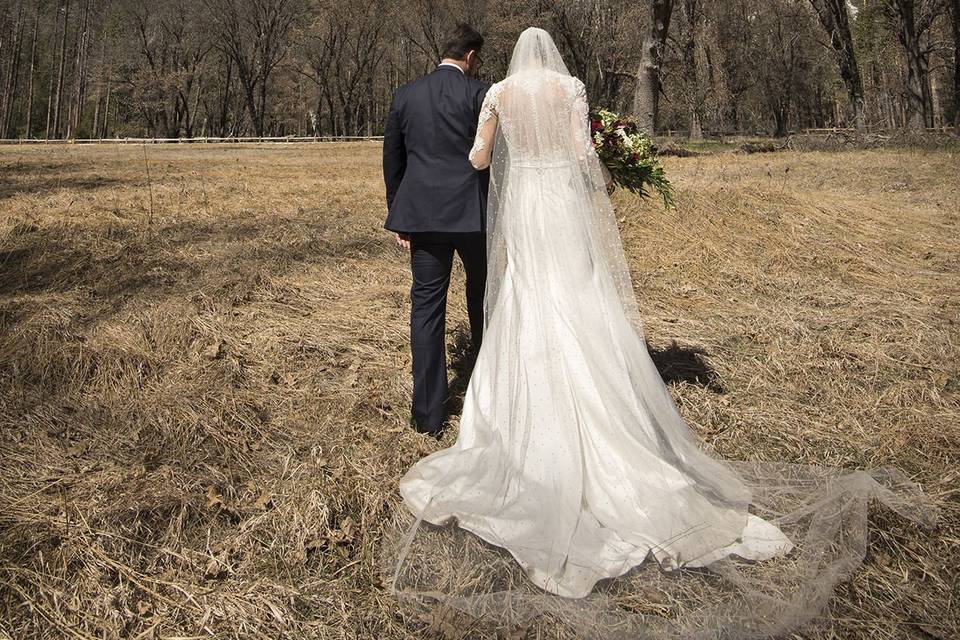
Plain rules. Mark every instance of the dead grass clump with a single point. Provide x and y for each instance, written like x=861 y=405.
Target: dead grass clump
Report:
x=761 y=146
x=203 y=402
x=672 y=148
x=849 y=140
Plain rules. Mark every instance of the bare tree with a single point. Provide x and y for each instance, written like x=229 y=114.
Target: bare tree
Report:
x=693 y=15
x=62 y=69
x=144 y=66
x=33 y=61
x=80 y=69
x=912 y=20
x=424 y=26
x=255 y=34
x=737 y=36
x=9 y=97
x=646 y=95
x=173 y=46
x=835 y=18
x=955 y=14
x=343 y=50
x=784 y=32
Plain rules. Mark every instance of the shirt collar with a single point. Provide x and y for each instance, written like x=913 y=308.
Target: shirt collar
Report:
x=450 y=64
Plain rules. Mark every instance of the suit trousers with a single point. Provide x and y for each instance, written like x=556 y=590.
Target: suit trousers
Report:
x=431 y=261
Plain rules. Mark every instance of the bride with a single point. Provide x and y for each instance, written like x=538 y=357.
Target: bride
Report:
x=572 y=456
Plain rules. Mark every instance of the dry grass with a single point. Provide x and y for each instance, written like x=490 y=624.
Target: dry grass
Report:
x=204 y=375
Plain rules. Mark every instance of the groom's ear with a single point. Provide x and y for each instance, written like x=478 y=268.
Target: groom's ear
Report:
x=473 y=60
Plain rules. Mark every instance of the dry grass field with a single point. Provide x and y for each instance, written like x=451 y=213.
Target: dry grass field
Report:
x=204 y=374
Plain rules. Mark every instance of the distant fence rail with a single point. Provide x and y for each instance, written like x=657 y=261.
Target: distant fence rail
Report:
x=203 y=140
x=668 y=133
x=944 y=129
x=714 y=135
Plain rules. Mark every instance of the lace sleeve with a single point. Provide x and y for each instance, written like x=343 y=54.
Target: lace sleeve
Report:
x=486 y=127
x=583 y=134
x=580 y=113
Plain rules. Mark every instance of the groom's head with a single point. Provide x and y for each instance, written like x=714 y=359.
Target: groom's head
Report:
x=463 y=47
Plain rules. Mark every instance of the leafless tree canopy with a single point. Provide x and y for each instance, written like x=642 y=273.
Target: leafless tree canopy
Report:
x=184 y=68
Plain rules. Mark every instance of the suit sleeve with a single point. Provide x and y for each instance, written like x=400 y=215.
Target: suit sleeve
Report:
x=394 y=152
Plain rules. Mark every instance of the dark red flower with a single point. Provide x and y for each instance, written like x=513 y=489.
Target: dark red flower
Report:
x=595 y=126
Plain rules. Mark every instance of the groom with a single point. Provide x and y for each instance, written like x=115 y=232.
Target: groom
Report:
x=436 y=204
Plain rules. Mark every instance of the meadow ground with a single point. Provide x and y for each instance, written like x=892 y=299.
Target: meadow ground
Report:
x=204 y=374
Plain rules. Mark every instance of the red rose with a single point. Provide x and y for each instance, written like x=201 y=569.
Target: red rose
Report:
x=595 y=125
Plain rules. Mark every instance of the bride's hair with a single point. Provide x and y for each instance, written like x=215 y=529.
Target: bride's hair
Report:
x=462 y=40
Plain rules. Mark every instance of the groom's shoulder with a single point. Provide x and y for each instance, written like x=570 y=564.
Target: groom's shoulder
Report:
x=413 y=84
x=475 y=87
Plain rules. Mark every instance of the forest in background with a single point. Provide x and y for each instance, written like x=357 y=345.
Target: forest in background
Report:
x=224 y=68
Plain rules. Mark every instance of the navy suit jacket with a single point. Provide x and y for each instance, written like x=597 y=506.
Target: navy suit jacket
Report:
x=431 y=185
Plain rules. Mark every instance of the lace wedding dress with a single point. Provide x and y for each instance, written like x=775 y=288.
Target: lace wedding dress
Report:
x=572 y=463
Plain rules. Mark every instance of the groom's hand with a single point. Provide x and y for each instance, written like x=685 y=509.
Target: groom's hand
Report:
x=403 y=239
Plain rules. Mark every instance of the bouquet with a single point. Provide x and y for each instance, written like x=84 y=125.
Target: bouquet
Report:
x=629 y=155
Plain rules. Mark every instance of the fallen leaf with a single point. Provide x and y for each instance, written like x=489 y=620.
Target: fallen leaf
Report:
x=263 y=502
x=214 y=498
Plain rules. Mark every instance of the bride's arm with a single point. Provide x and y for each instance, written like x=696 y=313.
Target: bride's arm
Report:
x=486 y=129
x=582 y=138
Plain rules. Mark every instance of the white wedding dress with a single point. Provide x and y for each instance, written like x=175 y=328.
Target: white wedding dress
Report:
x=571 y=454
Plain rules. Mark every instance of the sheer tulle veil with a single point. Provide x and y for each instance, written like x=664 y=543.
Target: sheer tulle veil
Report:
x=441 y=559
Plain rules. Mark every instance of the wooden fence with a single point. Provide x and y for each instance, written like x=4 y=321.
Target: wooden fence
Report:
x=290 y=139
x=718 y=135
x=950 y=129
x=205 y=140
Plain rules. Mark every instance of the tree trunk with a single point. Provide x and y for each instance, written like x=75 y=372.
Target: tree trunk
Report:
x=955 y=10
x=33 y=59
x=63 y=63
x=646 y=96
x=99 y=100
x=693 y=13
x=903 y=12
x=936 y=114
x=781 y=117
x=696 y=126
x=192 y=117
x=76 y=102
x=262 y=110
x=82 y=61
x=106 y=110
x=53 y=76
x=13 y=75
x=225 y=105
x=835 y=19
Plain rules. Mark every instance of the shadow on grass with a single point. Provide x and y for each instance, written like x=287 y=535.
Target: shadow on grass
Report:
x=43 y=178
x=685 y=364
x=118 y=261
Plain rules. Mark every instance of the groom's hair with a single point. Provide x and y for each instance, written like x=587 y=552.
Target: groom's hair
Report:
x=463 y=39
